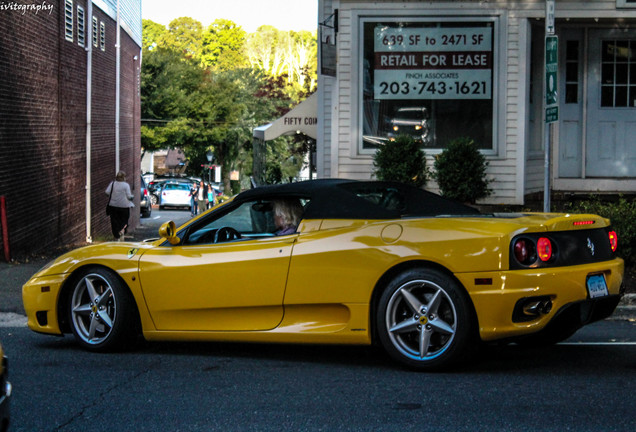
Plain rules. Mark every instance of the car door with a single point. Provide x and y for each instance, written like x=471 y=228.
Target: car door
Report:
x=236 y=285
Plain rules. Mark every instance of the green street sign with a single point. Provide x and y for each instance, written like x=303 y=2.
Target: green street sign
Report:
x=551 y=71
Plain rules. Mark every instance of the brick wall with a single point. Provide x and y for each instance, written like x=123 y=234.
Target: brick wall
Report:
x=43 y=127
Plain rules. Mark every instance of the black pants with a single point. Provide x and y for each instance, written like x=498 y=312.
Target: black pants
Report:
x=118 y=219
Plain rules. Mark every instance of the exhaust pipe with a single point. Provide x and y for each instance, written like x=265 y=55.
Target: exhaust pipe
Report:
x=530 y=308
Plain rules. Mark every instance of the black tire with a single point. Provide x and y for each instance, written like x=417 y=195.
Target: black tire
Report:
x=102 y=311
x=424 y=320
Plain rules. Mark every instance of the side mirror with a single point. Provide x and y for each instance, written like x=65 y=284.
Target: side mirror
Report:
x=168 y=231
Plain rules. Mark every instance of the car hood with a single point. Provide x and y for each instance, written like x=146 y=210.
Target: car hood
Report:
x=116 y=255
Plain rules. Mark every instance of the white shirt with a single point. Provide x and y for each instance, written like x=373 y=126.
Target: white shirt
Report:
x=121 y=195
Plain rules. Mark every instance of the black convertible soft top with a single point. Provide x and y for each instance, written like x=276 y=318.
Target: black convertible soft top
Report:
x=351 y=199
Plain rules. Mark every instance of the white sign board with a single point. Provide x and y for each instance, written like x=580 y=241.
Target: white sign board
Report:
x=433 y=63
x=549 y=16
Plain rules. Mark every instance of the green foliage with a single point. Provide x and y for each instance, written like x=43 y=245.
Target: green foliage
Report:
x=200 y=91
x=152 y=34
x=185 y=36
x=293 y=55
x=460 y=171
x=401 y=160
x=223 y=44
x=621 y=213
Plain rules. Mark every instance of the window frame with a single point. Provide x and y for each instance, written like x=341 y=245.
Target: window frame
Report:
x=625 y=4
x=102 y=36
x=81 y=22
x=94 y=31
x=497 y=146
x=68 y=20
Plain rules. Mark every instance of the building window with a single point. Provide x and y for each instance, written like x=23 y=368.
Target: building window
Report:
x=102 y=36
x=626 y=4
x=618 y=73
x=80 y=25
x=68 y=20
x=94 y=32
x=572 y=66
x=431 y=80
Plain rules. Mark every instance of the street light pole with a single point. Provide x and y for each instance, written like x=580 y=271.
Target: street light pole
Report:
x=210 y=157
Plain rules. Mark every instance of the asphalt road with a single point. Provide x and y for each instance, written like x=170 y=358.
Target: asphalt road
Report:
x=584 y=385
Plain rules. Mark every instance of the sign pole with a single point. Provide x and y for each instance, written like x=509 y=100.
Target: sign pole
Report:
x=551 y=102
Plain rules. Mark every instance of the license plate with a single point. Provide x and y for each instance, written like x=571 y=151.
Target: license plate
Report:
x=596 y=286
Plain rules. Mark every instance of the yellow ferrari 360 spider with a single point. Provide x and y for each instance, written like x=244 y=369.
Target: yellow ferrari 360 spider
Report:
x=339 y=261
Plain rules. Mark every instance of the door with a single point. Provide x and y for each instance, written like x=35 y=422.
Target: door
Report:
x=611 y=108
x=228 y=273
x=571 y=103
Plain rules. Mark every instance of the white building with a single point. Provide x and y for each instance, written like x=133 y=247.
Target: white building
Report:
x=447 y=69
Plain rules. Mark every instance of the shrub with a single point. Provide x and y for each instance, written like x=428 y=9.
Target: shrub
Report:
x=460 y=171
x=622 y=214
x=401 y=160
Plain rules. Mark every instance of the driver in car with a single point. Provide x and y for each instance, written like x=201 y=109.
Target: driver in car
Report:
x=287 y=215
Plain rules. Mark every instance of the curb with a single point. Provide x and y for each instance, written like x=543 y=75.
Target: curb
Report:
x=626 y=309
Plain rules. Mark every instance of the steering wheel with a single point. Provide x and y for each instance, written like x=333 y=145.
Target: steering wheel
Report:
x=226 y=233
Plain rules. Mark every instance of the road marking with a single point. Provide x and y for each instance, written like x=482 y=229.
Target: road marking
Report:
x=597 y=343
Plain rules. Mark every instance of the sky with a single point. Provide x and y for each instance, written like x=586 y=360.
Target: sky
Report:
x=249 y=14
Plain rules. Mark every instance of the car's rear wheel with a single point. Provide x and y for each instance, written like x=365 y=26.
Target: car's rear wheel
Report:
x=424 y=320
x=101 y=311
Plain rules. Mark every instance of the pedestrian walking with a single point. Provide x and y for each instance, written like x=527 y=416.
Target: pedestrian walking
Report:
x=194 y=190
x=119 y=204
x=202 y=197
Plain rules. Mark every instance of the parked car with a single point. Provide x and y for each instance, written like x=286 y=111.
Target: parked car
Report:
x=424 y=277
x=145 y=203
x=174 y=194
x=5 y=393
x=154 y=187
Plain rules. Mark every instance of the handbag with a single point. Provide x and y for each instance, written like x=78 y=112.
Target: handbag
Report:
x=112 y=186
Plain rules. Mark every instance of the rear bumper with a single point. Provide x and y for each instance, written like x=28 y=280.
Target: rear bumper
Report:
x=495 y=299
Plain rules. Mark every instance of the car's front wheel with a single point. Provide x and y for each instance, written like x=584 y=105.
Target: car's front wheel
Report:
x=101 y=311
x=424 y=320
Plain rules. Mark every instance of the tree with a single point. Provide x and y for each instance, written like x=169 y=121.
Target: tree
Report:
x=223 y=43
x=185 y=35
x=197 y=97
x=168 y=81
x=293 y=55
x=152 y=34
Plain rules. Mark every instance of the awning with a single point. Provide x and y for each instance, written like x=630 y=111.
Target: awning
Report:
x=301 y=119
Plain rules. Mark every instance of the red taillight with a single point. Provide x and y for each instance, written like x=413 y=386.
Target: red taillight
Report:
x=525 y=251
x=544 y=249
x=521 y=251
x=613 y=239
x=585 y=222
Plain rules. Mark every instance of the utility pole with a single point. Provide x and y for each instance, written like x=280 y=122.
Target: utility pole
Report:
x=551 y=100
